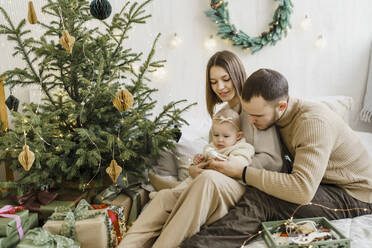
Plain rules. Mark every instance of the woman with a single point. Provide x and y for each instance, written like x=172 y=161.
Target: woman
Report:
x=173 y=216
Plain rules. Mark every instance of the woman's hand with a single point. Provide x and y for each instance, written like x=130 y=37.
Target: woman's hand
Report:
x=232 y=167
x=196 y=170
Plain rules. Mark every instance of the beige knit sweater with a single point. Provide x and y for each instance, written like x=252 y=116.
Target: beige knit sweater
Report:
x=325 y=150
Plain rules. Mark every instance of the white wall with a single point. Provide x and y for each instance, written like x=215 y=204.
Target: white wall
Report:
x=340 y=68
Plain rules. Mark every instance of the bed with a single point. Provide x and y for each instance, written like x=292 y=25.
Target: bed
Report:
x=194 y=137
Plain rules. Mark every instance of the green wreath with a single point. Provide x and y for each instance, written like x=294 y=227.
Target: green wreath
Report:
x=280 y=24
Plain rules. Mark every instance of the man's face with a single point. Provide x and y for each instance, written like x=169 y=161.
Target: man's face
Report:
x=261 y=113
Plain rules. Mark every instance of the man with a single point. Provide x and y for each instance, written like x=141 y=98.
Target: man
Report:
x=331 y=166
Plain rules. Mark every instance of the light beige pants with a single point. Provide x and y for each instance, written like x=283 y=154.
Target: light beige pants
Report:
x=176 y=214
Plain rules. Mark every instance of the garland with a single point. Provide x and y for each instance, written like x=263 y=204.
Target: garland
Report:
x=279 y=26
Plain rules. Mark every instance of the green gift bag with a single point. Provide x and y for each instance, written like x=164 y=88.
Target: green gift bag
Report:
x=12 y=239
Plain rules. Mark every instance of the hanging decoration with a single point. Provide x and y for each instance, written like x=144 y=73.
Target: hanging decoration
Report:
x=3 y=113
x=177 y=133
x=26 y=158
x=114 y=170
x=226 y=30
x=12 y=102
x=123 y=100
x=175 y=41
x=100 y=9
x=67 y=41
x=31 y=17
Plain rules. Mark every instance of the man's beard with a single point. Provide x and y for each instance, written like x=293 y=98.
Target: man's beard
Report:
x=274 y=120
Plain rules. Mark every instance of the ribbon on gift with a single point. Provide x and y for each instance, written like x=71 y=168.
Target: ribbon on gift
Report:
x=8 y=212
x=113 y=191
x=114 y=217
x=41 y=237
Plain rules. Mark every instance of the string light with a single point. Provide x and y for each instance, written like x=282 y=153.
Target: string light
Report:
x=321 y=42
x=160 y=74
x=135 y=67
x=175 y=41
x=305 y=23
x=210 y=43
x=116 y=32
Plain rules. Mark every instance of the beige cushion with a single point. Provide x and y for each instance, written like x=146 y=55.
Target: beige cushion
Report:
x=342 y=105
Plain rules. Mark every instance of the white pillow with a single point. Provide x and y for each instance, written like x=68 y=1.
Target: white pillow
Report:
x=342 y=105
x=194 y=138
x=185 y=152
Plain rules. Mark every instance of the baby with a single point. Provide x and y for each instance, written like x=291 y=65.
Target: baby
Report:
x=227 y=141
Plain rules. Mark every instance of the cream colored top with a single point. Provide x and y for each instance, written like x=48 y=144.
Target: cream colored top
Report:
x=325 y=150
x=241 y=150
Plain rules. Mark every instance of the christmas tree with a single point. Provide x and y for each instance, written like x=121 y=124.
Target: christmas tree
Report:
x=97 y=109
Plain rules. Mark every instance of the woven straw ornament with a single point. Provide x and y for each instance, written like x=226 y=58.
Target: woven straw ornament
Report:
x=123 y=101
x=67 y=41
x=31 y=17
x=26 y=158
x=114 y=170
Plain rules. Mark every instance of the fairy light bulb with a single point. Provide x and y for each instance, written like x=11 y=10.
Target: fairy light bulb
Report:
x=175 y=41
x=210 y=43
x=160 y=74
x=321 y=42
x=136 y=67
x=116 y=32
x=305 y=23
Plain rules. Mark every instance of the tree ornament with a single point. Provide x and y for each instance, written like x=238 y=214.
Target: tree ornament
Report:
x=215 y=4
x=3 y=113
x=26 y=158
x=123 y=100
x=67 y=41
x=12 y=102
x=177 y=133
x=114 y=170
x=31 y=17
x=220 y=15
x=100 y=9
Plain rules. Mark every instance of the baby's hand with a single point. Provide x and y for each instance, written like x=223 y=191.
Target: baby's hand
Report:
x=198 y=158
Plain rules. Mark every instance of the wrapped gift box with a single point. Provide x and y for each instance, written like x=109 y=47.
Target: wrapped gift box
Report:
x=8 y=225
x=13 y=238
x=124 y=200
x=44 y=239
x=65 y=198
x=26 y=243
x=91 y=232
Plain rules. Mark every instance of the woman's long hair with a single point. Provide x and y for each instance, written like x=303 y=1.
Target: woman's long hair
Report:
x=233 y=66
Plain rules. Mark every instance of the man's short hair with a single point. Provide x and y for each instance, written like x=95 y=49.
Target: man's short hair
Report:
x=269 y=84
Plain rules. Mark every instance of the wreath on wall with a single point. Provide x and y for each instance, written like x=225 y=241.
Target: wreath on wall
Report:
x=277 y=28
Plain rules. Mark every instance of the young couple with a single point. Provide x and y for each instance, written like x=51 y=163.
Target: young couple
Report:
x=330 y=167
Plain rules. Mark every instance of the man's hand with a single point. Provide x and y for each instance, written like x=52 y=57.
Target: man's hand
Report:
x=196 y=170
x=232 y=167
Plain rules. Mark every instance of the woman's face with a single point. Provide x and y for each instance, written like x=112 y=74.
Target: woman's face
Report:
x=221 y=83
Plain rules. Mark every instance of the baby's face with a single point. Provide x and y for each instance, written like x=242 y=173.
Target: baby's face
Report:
x=224 y=134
